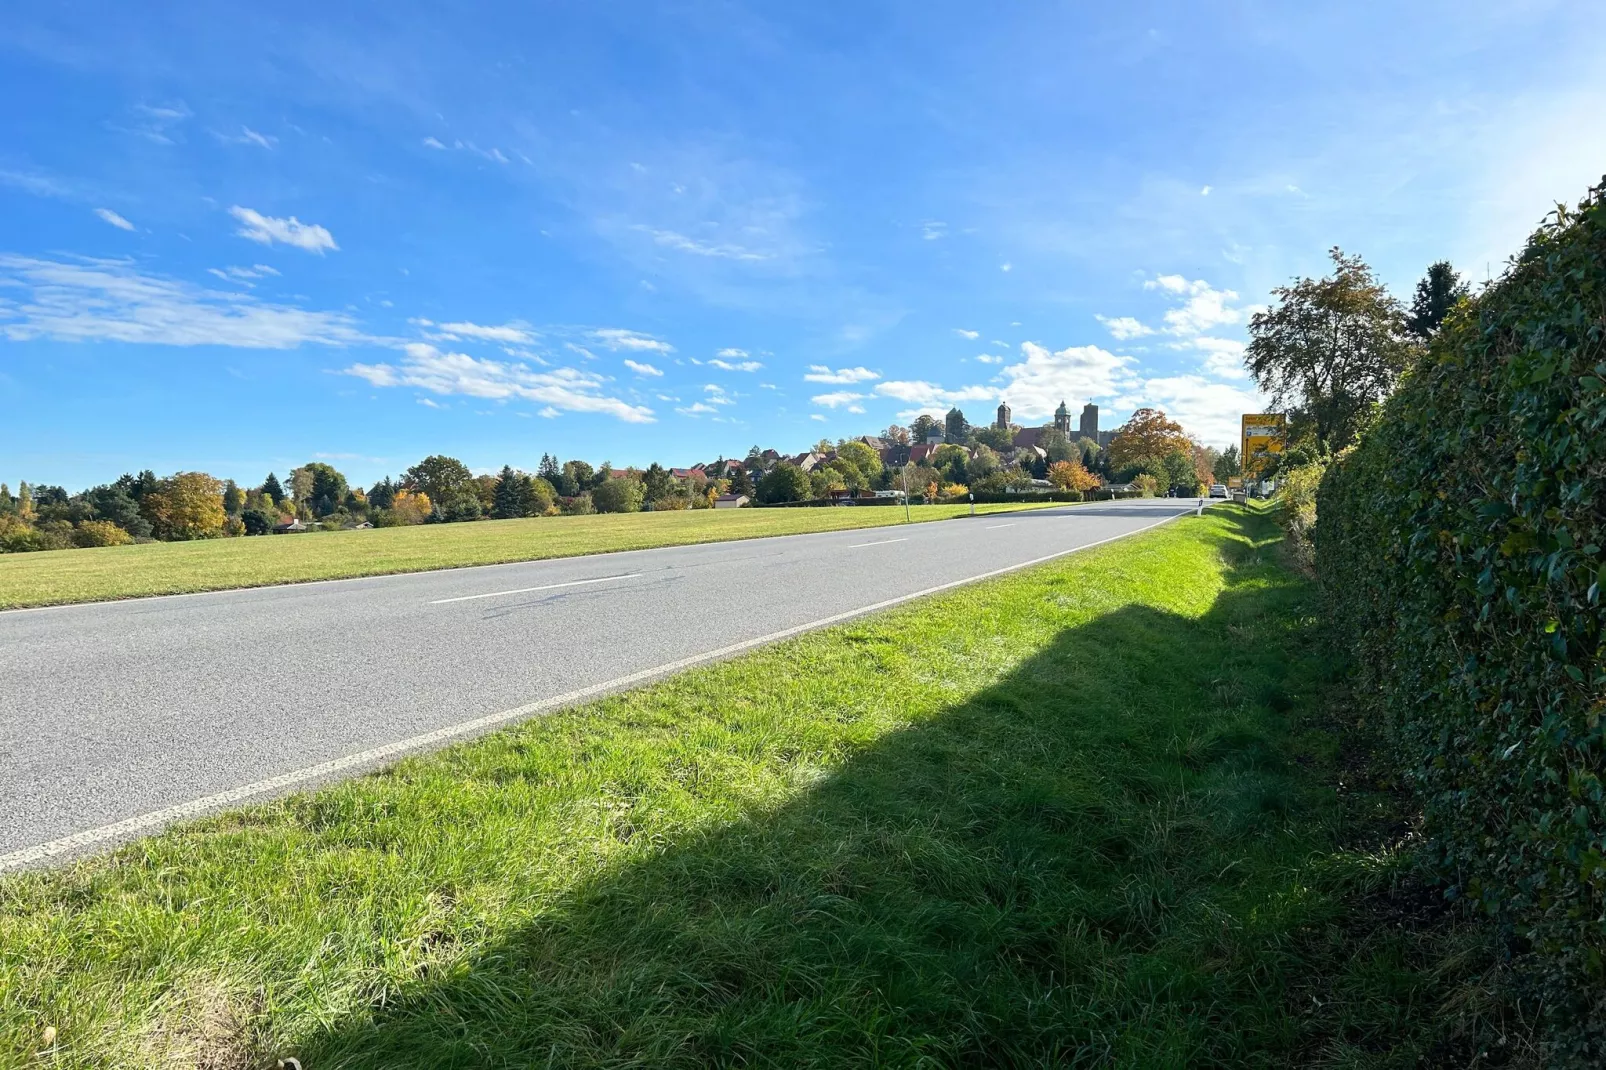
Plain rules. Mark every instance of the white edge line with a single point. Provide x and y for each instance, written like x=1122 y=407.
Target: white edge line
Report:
x=527 y=590
x=882 y=542
x=205 y=804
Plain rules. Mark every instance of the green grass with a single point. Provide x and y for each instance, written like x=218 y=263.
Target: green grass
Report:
x=55 y=577
x=1081 y=815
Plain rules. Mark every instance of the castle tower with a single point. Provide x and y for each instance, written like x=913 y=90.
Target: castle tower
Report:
x=1090 y=422
x=1062 y=418
x=1003 y=417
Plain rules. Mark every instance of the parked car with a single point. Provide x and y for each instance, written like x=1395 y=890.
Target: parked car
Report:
x=1218 y=490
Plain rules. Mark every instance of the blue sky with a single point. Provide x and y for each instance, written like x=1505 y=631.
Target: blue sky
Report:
x=237 y=238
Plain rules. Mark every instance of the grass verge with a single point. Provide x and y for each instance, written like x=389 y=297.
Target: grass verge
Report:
x=57 y=577
x=1081 y=815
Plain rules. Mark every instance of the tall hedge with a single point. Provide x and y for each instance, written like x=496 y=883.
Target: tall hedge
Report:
x=1460 y=543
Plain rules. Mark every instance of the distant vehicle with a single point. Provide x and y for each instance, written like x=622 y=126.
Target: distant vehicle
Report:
x=1218 y=490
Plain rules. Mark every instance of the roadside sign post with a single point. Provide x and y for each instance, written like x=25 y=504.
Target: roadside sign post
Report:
x=972 y=503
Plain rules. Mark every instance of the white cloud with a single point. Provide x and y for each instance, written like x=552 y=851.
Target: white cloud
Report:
x=1209 y=410
x=1223 y=357
x=738 y=366
x=819 y=373
x=988 y=358
x=642 y=369
x=930 y=397
x=291 y=231
x=717 y=396
x=971 y=335
x=768 y=386
x=515 y=333
x=114 y=219
x=1006 y=266
x=110 y=300
x=1124 y=327
x=617 y=338
x=547 y=412
x=1037 y=384
x=816 y=416
x=838 y=398
x=1206 y=306
x=567 y=389
x=433 y=143
x=696 y=408
x=1205 y=192
x=731 y=353
x=935 y=230
x=242 y=274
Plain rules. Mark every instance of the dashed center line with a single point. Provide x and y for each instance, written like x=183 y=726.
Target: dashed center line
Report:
x=883 y=542
x=995 y=527
x=527 y=590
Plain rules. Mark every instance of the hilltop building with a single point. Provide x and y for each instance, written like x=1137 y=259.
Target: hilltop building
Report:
x=1002 y=423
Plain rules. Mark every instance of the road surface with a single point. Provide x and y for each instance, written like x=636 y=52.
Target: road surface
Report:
x=120 y=717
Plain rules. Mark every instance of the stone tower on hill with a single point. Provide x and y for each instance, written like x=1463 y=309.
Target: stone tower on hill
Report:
x=1003 y=416
x=1062 y=418
x=1090 y=422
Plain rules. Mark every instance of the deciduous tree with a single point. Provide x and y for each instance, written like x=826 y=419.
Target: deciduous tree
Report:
x=439 y=477
x=1145 y=440
x=1329 y=349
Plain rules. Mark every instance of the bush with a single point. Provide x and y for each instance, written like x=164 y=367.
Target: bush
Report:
x=579 y=505
x=261 y=522
x=100 y=533
x=621 y=495
x=1297 y=490
x=1146 y=485
x=1461 y=545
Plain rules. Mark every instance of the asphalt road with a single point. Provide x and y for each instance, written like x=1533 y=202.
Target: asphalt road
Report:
x=120 y=717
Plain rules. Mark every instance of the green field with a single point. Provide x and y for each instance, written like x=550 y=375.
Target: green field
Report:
x=55 y=577
x=1082 y=815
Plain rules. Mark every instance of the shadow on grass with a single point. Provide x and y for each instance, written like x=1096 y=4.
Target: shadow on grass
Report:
x=1105 y=858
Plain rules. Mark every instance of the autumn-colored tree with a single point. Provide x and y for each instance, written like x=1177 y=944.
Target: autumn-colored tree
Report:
x=1070 y=475
x=100 y=533
x=186 y=505
x=1148 y=437
x=411 y=507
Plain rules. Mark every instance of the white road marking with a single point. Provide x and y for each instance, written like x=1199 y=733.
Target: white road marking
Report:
x=995 y=527
x=196 y=807
x=883 y=542
x=527 y=590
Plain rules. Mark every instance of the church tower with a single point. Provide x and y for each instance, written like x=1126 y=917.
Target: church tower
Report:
x=1003 y=417
x=1090 y=421
x=1062 y=419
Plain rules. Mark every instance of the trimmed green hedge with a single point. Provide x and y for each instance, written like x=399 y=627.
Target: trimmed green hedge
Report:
x=1460 y=543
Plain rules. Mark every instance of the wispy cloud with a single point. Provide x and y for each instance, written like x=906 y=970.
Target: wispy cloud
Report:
x=839 y=398
x=111 y=300
x=269 y=229
x=114 y=219
x=725 y=250
x=696 y=408
x=495 y=155
x=737 y=366
x=1122 y=328
x=642 y=369
x=934 y=230
x=425 y=367
x=971 y=335
x=510 y=333
x=617 y=338
x=247 y=136
x=819 y=373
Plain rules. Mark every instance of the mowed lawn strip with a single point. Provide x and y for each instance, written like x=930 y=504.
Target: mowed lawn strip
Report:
x=1051 y=819
x=57 y=577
